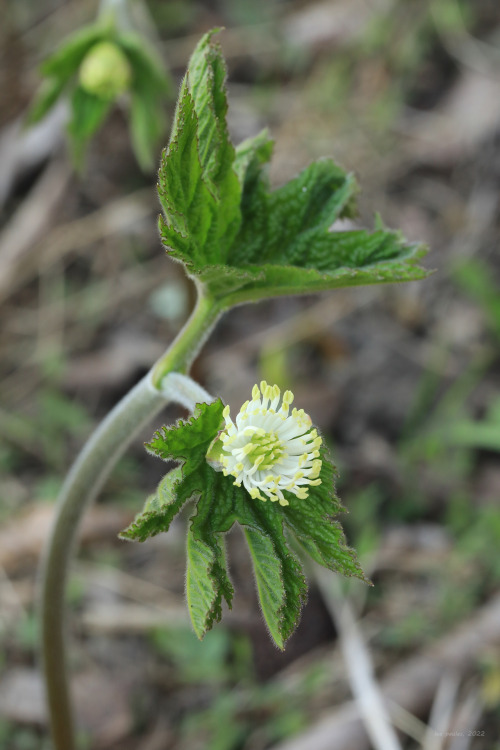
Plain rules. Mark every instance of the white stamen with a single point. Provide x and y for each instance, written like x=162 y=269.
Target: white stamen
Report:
x=269 y=450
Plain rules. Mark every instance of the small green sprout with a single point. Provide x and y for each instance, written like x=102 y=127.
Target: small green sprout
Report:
x=241 y=241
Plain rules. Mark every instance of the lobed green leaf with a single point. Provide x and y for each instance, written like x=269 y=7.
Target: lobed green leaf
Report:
x=212 y=519
x=313 y=524
x=159 y=510
x=268 y=577
x=197 y=185
x=207 y=582
x=244 y=241
x=185 y=441
x=220 y=504
x=279 y=576
x=190 y=208
x=188 y=439
x=274 y=280
x=292 y=215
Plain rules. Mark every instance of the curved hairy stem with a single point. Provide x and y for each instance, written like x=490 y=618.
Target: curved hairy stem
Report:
x=81 y=487
x=184 y=390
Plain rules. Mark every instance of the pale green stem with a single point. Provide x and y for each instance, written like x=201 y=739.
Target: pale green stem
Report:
x=86 y=478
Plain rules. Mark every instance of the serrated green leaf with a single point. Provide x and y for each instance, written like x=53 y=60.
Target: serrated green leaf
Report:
x=159 y=510
x=213 y=518
x=197 y=185
x=311 y=202
x=206 y=78
x=358 y=249
x=190 y=208
x=282 y=587
x=219 y=504
x=64 y=62
x=269 y=581
x=315 y=527
x=257 y=282
x=276 y=280
x=244 y=241
x=188 y=439
x=184 y=441
x=206 y=582
x=250 y=155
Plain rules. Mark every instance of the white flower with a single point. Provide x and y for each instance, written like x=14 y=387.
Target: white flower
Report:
x=269 y=450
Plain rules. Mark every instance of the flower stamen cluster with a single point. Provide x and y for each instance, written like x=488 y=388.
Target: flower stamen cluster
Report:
x=270 y=450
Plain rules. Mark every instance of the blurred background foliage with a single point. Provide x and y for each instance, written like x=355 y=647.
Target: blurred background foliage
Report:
x=402 y=380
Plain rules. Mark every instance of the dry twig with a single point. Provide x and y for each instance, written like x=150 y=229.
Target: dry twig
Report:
x=358 y=664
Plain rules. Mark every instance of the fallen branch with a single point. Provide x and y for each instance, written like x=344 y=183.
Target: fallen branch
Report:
x=358 y=664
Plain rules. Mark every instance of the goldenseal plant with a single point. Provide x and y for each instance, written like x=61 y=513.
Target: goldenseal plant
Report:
x=267 y=470
x=270 y=473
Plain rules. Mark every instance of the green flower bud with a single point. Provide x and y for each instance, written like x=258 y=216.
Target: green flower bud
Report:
x=105 y=71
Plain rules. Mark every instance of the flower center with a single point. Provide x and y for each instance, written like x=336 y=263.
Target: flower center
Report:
x=264 y=450
x=268 y=450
